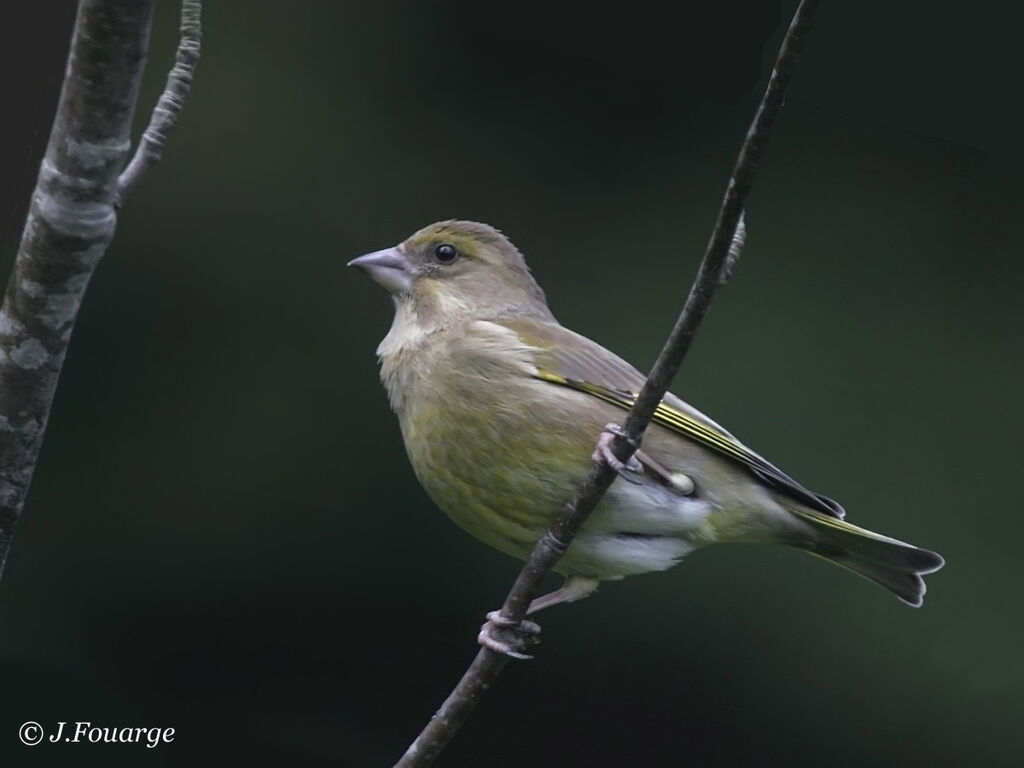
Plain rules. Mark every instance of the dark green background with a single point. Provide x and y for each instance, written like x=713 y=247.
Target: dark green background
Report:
x=223 y=534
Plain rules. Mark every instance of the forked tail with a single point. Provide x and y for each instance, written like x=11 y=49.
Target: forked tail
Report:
x=895 y=565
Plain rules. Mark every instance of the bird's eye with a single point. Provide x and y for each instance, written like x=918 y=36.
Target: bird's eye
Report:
x=445 y=253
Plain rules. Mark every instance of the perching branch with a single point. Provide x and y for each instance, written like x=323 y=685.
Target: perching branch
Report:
x=70 y=224
x=720 y=257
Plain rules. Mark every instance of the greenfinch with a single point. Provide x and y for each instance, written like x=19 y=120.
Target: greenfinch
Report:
x=500 y=408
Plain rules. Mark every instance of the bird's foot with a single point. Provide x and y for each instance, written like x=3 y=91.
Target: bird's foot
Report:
x=508 y=637
x=603 y=454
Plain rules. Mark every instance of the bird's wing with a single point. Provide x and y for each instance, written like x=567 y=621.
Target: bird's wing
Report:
x=565 y=358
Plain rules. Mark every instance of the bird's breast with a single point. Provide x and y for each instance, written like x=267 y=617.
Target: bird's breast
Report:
x=500 y=451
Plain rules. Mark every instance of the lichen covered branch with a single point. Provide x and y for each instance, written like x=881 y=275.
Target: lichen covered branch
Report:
x=69 y=226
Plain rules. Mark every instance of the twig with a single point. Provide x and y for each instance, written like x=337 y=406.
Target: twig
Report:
x=70 y=224
x=721 y=254
x=739 y=239
x=168 y=107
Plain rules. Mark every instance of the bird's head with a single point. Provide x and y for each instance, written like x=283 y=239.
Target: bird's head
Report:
x=456 y=270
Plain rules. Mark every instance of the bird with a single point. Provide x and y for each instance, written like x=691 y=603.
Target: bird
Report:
x=500 y=409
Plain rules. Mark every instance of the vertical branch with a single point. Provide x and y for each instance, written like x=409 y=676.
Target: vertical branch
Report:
x=720 y=258
x=70 y=223
x=72 y=217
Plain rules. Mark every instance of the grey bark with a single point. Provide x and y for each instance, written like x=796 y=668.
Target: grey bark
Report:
x=70 y=223
x=72 y=217
x=720 y=258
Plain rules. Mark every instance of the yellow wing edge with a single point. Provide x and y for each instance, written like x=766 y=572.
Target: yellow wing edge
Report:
x=681 y=423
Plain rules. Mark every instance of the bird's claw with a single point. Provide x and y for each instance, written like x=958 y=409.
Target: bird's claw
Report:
x=603 y=454
x=523 y=633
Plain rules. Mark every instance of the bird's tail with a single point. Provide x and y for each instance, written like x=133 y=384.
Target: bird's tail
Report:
x=895 y=565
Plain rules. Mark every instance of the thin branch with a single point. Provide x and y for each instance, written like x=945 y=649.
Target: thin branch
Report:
x=168 y=107
x=70 y=224
x=721 y=254
x=739 y=239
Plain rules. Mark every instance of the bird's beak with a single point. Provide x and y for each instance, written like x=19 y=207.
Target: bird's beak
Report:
x=389 y=267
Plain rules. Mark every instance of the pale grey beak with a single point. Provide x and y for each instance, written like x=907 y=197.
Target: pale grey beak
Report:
x=389 y=267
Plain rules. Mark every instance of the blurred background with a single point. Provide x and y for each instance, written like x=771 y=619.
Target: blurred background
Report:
x=223 y=534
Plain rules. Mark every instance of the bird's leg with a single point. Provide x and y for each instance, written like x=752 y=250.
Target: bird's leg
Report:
x=603 y=454
x=677 y=481
x=638 y=462
x=575 y=588
x=524 y=633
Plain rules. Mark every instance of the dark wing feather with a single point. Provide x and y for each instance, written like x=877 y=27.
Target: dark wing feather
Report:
x=567 y=359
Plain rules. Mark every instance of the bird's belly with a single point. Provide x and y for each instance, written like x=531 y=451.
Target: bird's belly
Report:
x=489 y=478
x=504 y=483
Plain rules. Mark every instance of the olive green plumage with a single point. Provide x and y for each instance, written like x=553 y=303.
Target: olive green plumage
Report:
x=500 y=408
